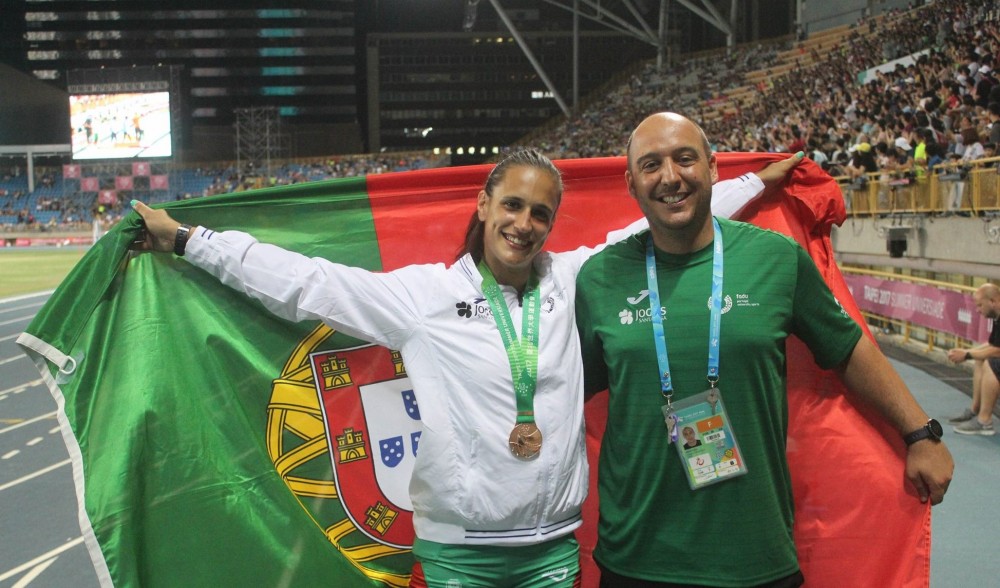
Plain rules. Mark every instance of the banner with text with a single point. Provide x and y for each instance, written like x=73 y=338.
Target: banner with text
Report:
x=927 y=306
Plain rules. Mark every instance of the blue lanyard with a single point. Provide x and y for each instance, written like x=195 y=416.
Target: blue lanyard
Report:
x=715 y=326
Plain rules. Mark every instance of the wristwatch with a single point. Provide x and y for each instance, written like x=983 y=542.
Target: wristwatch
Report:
x=932 y=430
x=181 y=239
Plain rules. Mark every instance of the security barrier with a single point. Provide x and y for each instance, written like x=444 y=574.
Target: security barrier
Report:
x=948 y=188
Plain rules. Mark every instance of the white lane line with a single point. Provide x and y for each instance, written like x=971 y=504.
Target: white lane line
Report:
x=25 y=296
x=48 y=415
x=9 y=337
x=19 y=319
x=10 y=454
x=24 y=307
x=28 y=578
x=34 y=442
x=32 y=476
x=15 y=358
x=22 y=387
x=45 y=556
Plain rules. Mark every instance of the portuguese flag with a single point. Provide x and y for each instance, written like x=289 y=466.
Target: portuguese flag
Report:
x=213 y=444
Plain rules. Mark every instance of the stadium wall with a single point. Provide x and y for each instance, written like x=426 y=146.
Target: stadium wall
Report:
x=932 y=245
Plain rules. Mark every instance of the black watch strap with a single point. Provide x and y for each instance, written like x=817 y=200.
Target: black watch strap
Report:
x=932 y=430
x=180 y=241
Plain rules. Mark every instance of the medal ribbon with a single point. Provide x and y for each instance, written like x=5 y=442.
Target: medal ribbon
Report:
x=522 y=354
x=715 y=325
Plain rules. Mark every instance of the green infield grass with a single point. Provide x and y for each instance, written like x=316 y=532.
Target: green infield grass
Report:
x=26 y=270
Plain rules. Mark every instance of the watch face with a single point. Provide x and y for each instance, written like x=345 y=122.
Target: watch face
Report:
x=935 y=428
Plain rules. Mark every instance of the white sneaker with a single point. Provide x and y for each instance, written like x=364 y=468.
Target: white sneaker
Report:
x=974 y=427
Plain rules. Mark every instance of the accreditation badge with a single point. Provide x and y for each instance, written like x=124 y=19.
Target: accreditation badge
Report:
x=706 y=444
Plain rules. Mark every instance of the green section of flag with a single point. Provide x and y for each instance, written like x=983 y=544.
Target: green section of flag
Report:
x=182 y=447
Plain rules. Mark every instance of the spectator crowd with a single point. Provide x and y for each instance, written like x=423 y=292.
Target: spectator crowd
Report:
x=905 y=93
x=929 y=95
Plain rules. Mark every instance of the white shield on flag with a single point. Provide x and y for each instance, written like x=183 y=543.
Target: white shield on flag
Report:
x=393 y=422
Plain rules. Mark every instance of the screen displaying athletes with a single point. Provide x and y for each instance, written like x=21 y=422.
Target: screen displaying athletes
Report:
x=122 y=125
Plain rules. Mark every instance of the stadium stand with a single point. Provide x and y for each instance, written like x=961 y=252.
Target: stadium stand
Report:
x=62 y=204
x=778 y=96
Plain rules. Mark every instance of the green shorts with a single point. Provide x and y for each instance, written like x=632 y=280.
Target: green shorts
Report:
x=553 y=564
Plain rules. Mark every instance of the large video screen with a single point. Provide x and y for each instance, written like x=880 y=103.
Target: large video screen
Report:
x=120 y=126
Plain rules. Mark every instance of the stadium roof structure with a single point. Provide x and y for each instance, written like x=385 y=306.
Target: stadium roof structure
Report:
x=626 y=18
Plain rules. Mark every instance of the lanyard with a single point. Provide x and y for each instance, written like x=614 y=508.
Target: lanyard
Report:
x=715 y=325
x=522 y=354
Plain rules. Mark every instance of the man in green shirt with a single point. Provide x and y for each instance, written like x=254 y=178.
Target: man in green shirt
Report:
x=712 y=356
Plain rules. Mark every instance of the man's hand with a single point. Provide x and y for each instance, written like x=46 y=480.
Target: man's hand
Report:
x=929 y=466
x=775 y=173
x=869 y=375
x=161 y=230
x=956 y=355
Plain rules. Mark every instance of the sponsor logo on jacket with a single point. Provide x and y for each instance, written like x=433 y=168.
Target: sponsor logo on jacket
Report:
x=479 y=308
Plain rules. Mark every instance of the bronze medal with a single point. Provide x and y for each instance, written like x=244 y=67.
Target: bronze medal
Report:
x=525 y=441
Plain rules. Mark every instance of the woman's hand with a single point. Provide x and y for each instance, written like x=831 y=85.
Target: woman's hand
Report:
x=776 y=172
x=161 y=229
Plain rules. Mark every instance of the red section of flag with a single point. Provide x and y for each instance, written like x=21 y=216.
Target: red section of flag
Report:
x=71 y=171
x=140 y=168
x=430 y=228
x=123 y=182
x=854 y=516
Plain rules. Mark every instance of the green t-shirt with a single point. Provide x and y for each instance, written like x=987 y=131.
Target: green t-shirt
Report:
x=653 y=526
